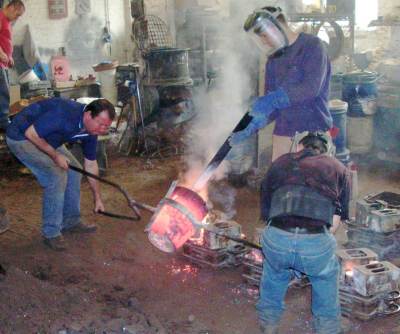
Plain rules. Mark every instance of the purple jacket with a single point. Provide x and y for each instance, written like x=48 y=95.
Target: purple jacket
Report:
x=303 y=72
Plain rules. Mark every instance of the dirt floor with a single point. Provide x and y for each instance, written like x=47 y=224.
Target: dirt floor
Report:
x=115 y=281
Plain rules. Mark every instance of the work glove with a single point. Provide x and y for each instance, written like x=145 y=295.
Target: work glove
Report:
x=261 y=111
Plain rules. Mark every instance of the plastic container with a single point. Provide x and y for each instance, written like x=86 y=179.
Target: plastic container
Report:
x=28 y=76
x=338 y=111
x=60 y=68
x=108 y=86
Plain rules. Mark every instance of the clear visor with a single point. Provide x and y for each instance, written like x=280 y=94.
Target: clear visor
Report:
x=268 y=37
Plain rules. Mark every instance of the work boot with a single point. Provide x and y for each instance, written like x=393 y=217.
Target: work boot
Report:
x=82 y=228
x=56 y=243
x=4 y=221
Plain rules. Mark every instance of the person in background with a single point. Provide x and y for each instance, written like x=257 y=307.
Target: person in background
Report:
x=304 y=197
x=12 y=11
x=36 y=136
x=297 y=81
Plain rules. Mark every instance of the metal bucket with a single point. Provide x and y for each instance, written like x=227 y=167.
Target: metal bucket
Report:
x=168 y=66
x=176 y=219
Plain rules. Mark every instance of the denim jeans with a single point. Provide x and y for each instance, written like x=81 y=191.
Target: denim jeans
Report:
x=311 y=254
x=61 y=189
x=4 y=98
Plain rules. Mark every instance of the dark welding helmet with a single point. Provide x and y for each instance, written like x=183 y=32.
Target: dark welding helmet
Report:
x=320 y=136
x=266 y=30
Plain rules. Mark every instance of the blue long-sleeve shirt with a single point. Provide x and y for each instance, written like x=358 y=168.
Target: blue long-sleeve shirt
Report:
x=57 y=121
x=303 y=72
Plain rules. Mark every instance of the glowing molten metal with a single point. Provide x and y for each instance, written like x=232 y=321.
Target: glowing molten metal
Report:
x=176 y=218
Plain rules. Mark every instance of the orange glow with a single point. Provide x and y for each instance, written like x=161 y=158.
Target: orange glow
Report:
x=255 y=255
x=189 y=179
x=172 y=225
x=349 y=273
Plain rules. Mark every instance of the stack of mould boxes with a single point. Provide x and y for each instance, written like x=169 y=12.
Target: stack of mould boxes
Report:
x=368 y=288
x=377 y=225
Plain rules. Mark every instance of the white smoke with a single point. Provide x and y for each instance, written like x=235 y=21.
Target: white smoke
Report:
x=220 y=106
x=223 y=104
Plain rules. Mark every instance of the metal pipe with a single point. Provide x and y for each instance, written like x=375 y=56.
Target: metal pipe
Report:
x=239 y=240
x=133 y=204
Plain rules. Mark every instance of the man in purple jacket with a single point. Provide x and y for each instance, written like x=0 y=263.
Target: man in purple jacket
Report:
x=297 y=81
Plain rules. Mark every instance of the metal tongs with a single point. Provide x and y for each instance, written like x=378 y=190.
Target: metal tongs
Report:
x=133 y=204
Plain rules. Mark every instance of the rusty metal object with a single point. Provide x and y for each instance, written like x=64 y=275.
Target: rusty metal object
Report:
x=368 y=288
x=379 y=212
x=176 y=218
x=218 y=245
x=349 y=258
x=367 y=308
x=374 y=278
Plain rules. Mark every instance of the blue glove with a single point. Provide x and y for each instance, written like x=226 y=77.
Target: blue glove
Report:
x=261 y=110
x=266 y=104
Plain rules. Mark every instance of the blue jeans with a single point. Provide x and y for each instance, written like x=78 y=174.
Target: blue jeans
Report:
x=4 y=98
x=61 y=189
x=311 y=254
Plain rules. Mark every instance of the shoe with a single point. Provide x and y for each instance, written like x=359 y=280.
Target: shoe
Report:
x=56 y=243
x=82 y=228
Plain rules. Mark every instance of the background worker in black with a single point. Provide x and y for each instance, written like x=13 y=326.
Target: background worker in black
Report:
x=304 y=196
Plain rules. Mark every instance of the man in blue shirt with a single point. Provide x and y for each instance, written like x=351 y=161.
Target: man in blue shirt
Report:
x=296 y=81
x=36 y=136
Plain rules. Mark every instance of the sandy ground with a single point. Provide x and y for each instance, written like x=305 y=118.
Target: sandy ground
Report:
x=117 y=280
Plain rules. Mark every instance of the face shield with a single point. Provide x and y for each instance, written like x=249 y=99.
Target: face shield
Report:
x=266 y=31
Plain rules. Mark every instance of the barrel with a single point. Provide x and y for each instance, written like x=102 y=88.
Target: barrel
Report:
x=360 y=91
x=336 y=86
x=338 y=111
x=168 y=66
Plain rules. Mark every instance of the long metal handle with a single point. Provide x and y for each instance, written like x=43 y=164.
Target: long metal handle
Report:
x=221 y=154
x=239 y=240
x=133 y=204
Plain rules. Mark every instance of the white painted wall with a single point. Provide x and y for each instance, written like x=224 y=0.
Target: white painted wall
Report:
x=80 y=35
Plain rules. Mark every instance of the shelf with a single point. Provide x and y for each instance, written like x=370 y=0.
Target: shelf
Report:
x=385 y=23
x=312 y=17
